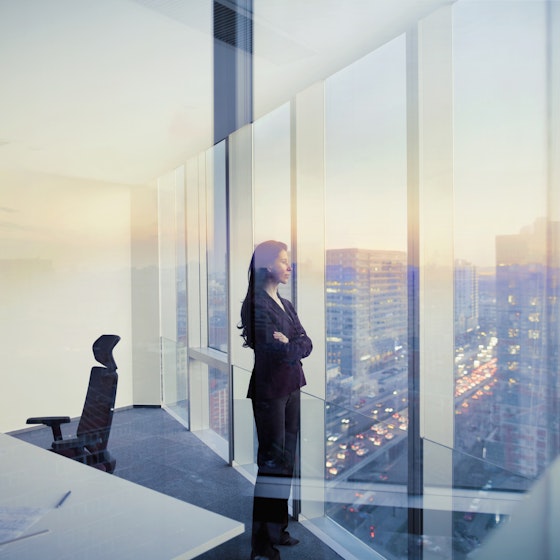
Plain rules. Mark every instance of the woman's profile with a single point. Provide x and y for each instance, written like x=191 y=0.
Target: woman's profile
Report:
x=271 y=327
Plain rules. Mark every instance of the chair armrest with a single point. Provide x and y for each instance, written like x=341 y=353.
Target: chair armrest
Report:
x=53 y=421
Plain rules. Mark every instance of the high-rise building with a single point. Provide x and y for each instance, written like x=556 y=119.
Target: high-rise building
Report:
x=487 y=299
x=366 y=313
x=527 y=300
x=466 y=298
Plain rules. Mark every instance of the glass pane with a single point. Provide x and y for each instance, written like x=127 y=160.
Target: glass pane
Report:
x=377 y=512
x=218 y=383
x=272 y=207
x=180 y=405
x=181 y=283
x=504 y=392
x=366 y=315
x=210 y=404
x=172 y=269
x=216 y=233
x=244 y=436
x=476 y=513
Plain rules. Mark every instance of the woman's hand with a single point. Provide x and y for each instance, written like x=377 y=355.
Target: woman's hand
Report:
x=280 y=337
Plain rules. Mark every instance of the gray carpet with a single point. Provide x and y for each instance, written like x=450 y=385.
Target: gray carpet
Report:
x=154 y=450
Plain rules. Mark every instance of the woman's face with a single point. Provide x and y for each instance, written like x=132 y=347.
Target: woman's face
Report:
x=281 y=268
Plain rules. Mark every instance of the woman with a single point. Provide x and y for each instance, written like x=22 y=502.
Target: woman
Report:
x=270 y=326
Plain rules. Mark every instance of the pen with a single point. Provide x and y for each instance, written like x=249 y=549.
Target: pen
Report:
x=25 y=536
x=63 y=499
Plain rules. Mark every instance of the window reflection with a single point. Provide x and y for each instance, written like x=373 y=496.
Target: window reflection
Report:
x=217 y=252
x=504 y=397
x=218 y=382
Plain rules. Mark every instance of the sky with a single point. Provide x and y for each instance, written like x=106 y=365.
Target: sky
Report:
x=499 y=134
x=500 y=122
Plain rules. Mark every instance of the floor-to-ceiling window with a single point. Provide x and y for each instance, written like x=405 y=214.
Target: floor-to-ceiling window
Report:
x=217 y=283
x=173 y=294
x=366 y=294
x=272 y=180
x=216 y=250
x=504 y=389
x=209 y=387
x=502 y=377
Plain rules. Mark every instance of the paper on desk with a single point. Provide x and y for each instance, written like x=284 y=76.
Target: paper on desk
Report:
x=14 y=521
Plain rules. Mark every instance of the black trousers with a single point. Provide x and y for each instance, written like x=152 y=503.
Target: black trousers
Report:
x=278 y=424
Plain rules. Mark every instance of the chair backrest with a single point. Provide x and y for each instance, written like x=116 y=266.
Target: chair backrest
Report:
x=97 y=414
x=103 y=350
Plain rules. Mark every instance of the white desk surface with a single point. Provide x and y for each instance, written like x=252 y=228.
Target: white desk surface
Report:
x=103 y=517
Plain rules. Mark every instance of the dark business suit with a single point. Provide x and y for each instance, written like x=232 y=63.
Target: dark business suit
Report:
x=275 y=392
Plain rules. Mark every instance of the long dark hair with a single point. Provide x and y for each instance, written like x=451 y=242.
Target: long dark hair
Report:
x=263 y=256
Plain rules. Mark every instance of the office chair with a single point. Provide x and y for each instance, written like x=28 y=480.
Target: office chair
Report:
x=89 y=446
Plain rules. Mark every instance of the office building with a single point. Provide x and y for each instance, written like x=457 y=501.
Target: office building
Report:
x=466 y=298
x=526 y=304
x=366 y=314
x=487 y=299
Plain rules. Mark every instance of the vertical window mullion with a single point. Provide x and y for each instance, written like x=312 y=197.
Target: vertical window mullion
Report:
x=415 y=479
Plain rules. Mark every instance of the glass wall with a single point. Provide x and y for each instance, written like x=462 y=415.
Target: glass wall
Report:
x=366 y=291
x=173 y=294
x=217 y=303
x=272 y=181
x=216 y=248
x=206 y=196
x=447 y=126
x=503 y=377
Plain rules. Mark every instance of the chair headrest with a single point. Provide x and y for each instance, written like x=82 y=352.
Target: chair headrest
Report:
x=103 y=350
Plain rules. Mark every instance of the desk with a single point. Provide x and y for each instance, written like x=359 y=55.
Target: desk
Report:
x=103 y=517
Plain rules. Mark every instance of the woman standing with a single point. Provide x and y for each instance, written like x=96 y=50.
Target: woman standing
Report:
x=270 y=326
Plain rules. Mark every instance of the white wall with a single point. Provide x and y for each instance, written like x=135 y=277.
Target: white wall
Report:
x=65 y=279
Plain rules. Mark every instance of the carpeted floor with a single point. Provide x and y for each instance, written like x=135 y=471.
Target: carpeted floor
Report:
x=156 y=451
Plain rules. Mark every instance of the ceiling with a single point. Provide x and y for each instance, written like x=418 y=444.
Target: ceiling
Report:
x=120 y=91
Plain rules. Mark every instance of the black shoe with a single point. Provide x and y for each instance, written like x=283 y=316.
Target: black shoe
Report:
x=287 y=540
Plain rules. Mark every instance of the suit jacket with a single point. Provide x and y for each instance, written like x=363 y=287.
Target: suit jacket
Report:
x=277 y=371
